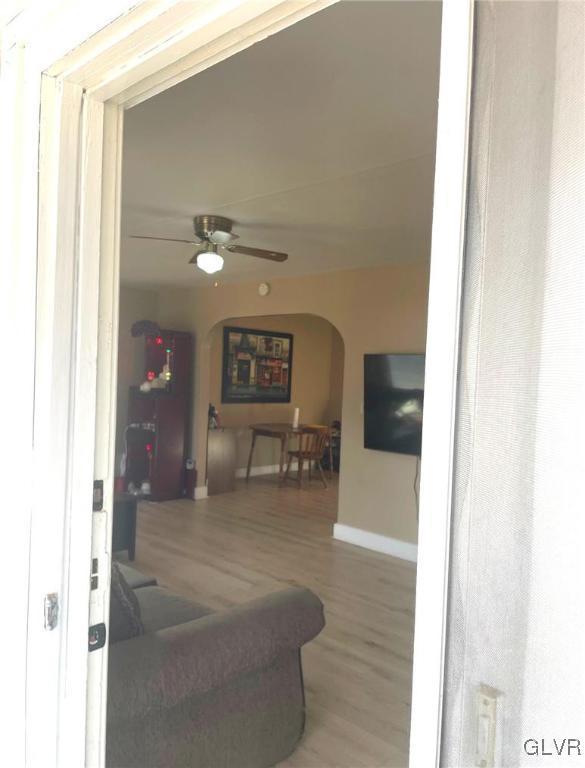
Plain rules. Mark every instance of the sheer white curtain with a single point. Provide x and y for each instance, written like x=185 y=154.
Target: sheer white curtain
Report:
x=516 y=619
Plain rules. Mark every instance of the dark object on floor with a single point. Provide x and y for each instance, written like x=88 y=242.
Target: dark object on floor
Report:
x=204 y=689
x=124 y=525
x=221 y=461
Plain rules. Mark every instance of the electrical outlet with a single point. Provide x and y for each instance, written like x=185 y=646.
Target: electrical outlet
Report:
x=486 y=718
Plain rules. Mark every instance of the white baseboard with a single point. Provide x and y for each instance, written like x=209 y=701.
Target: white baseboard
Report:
x=267 y=469
x=200 y=492
x=405 y=550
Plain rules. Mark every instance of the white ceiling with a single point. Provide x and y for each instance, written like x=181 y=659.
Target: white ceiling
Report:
x=318 y=141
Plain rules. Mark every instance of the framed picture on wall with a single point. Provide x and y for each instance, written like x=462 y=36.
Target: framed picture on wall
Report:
x=257 y=366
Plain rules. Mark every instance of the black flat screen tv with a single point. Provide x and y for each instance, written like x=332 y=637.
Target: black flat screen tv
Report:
x=393 y=402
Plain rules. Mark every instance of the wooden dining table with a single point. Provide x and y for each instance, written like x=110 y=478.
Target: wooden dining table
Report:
x=277 y=431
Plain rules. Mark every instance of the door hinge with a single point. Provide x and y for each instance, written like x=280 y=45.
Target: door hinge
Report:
x=51 y=611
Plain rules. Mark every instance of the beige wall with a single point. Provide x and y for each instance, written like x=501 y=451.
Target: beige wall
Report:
x=375 y=310
x=135 y=304
x=311 y=384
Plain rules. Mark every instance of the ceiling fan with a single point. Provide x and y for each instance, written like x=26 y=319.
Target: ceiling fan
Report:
x=214 y=233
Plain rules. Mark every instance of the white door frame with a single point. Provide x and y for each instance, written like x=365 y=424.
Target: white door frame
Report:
x=81 y=65
x=441 y=368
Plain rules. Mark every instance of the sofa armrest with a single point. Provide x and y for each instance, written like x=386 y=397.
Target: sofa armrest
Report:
x=163 y=668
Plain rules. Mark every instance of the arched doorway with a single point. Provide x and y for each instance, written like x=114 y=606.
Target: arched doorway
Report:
x=316 y=389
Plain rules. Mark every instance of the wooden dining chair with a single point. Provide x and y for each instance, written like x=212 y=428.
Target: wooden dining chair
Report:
x=313 y=439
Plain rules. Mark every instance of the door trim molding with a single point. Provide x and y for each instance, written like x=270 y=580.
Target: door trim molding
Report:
x=441 y=368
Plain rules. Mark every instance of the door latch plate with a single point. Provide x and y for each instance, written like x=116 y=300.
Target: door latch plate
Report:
x=98 y=495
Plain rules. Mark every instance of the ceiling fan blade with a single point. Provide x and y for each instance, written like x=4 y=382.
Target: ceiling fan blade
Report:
x=259 y=252
x=165 y=239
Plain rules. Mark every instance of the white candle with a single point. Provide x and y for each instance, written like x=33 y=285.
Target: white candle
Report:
x=296 y=418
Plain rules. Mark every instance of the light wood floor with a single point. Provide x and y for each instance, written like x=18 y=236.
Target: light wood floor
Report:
x=236 y=546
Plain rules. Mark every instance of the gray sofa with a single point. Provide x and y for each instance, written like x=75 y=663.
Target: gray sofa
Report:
x=209 y=690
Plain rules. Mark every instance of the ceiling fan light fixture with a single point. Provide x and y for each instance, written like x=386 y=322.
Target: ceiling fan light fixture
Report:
x=213 y=232
x=221 y=238
x=210 y=261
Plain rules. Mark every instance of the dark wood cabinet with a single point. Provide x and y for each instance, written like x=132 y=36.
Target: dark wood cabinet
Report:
x=156 y=435
x=221 y=461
